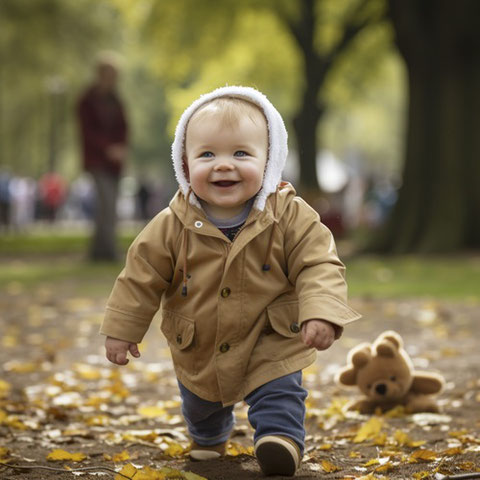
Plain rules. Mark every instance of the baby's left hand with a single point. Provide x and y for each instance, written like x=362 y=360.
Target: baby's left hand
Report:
x=318 y=334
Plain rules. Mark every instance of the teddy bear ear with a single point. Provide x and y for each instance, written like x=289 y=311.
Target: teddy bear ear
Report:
x=427 y=383
x=361 y=356
x=393 y=337
x=386 y=349
x=348 y=376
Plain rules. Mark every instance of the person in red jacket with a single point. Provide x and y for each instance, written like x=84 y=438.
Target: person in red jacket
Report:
x=104 y=139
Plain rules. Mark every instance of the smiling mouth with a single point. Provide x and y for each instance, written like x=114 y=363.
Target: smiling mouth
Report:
x=225 y=183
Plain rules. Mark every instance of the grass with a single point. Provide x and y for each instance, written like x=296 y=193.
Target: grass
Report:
x=439 y=277
x=57 y=260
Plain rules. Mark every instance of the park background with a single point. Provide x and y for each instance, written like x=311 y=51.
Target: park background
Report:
x=381 y=101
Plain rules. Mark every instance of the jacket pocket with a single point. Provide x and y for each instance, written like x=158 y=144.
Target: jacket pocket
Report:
x=283 y=319
x=180 y=334
x=281 y=338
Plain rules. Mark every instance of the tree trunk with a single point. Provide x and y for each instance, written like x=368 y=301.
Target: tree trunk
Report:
x=305 y=126
x=438 y=205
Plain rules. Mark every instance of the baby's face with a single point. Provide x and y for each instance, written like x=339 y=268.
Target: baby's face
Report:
x=225 y=164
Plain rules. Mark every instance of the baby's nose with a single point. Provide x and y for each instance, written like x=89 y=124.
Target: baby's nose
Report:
x=223 y=165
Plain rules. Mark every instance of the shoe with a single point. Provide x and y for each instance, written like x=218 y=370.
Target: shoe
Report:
x=207 y=452
x=277 y=455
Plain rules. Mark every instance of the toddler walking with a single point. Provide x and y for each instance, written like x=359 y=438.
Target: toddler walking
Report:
x=247 y=278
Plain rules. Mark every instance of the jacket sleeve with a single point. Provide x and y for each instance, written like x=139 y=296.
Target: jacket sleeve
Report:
x=137 y=292
x=315 y=269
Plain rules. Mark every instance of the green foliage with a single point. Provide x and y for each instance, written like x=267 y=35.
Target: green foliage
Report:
x=43 y=47
x=173 y=52
x=438 y=277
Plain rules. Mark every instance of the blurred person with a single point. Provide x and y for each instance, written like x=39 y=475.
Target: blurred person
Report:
x=52 y=191
x=247 y=277
x=5 y=200
x=23 y=192
x=104 y=138
x=144 y=196
x=82 y=197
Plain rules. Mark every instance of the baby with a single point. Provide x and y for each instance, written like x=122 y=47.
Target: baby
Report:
x=248 y=279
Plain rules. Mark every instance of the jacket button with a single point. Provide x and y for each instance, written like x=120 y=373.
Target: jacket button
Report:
x=224 y=347
x=179 y=339
x=225 y=292
x=295 y=327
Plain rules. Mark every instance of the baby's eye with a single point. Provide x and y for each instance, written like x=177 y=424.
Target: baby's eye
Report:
x=206 y=155
x=241 y=153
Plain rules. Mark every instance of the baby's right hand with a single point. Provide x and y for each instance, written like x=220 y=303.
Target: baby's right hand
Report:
x=116 y=350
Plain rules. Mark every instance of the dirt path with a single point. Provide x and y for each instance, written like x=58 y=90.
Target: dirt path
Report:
x=58 y=393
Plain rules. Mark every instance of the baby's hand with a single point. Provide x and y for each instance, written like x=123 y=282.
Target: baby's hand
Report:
x=116 y=350
x=318 y=334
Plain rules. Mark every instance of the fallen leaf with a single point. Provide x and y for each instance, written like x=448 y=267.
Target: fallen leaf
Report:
x=329 y=467
x=453 y=451
x=385 y=468
x=423 y=454
x=402 y=439
x=369 y=430
x=5 y=388
x=151 y=411
x=174 y=450
x=4 y=451
x=58 y=455
x=234 y=449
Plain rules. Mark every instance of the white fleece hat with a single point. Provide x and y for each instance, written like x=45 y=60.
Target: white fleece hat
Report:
x=277 y=140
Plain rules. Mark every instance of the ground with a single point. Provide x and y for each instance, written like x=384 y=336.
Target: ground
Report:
x=57 y=392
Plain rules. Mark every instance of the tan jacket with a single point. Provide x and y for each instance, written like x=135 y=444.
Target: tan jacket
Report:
x=238 y=326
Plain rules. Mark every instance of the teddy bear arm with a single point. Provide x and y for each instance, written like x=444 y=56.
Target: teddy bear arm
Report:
x=363 y=406
x=426 y=383
x=421 y=403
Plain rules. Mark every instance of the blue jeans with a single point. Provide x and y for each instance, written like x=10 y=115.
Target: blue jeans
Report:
x=276 y=408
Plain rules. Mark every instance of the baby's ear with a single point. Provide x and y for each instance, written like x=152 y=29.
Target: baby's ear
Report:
x=185 y=167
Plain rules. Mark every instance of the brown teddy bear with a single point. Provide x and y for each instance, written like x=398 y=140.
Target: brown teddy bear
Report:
x=384 y=373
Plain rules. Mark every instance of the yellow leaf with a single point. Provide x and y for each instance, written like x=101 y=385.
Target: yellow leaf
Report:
x=325 y=446
x=151 y=412
x=354 y=454
x=380 y=440
x=192 y=476
x=97 y=421
x=422 y=475
x=13 y=421
x=396 y=412
x=4 y=451
x=384 y=468
x=121 y=457
x=234 y=449
x=329 y=467
x=453 y=451
x=21 y=367
x=403 y=439
x=128 y=470
x=423 y=454
x=369 y=430
x=87 y=372
x=147 y=473
x=5 y=388
x=174 y=450
x=373 y=461
x=58 y=455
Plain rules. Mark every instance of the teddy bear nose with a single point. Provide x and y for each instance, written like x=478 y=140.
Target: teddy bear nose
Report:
x=381 y=389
